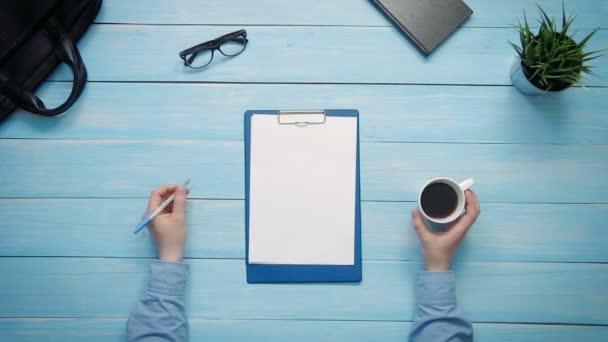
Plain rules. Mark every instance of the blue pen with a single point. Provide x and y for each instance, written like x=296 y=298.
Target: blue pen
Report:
x=160 y=209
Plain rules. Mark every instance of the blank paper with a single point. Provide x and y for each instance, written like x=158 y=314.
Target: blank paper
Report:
x=302 y=192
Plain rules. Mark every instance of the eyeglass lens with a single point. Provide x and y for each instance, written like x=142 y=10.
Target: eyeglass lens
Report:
x=200 y=58
x=233 y=46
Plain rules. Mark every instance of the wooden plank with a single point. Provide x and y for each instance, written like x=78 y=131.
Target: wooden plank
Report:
x=524 y=292
x=397 y=171
x=293 y=54
x=113 y=329
x=389 y=171
x=113 y=168
x=388 y=113
x=101 y=228
x=337 y=12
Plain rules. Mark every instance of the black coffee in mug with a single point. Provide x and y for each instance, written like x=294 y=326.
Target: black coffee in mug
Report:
x=439 y=200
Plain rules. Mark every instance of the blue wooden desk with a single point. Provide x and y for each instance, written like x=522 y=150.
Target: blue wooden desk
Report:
x=534 y=267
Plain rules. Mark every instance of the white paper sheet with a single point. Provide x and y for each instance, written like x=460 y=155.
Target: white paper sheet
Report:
x=302 y=192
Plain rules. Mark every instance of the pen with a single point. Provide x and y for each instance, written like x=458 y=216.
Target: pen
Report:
x=160 y=209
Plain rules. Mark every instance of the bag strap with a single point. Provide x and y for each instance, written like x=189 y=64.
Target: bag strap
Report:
x=69 y=55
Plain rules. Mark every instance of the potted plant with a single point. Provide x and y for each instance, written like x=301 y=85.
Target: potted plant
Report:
x=550 y=60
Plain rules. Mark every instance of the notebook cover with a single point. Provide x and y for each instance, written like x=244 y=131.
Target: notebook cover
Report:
x=276 y=273
x=426 y=22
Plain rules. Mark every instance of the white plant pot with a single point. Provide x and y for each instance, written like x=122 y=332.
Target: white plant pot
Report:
x=521 y=82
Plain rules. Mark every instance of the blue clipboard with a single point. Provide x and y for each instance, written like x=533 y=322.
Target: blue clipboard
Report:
x=276 y=273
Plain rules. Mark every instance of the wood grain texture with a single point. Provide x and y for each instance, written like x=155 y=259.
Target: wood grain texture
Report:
x=524 y=292
x=387 y=113
x=319 y=12
x=389 y=171
x=102 y=228
x=113 y=329
x=307 y=54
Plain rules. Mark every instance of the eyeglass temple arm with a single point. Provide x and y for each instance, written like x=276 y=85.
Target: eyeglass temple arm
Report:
x=232 y=34
x=196 y=48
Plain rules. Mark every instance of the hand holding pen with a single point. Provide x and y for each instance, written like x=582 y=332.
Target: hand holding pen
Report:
x=168 y=222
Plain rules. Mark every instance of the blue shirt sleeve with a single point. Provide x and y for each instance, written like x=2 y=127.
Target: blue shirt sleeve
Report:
x=438 y=318
x=160 y=314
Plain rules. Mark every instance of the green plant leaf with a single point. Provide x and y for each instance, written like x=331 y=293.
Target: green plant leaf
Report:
x=566 y=25
x=570 y=79
x=546 y=21
x=593 y=52
x=526 y=30
x=534 y=74
x=543 y=80
x=563 y=15
x=590 y=72
x=587 y=37
x=591 y=58
x=517 y=49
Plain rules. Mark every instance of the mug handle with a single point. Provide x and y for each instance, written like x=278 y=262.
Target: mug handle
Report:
x=466 y=184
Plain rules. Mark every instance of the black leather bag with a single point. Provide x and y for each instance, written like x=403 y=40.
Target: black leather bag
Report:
x=35 y=37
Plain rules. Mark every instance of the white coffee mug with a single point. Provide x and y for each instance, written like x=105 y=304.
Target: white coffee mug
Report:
x=459 y=189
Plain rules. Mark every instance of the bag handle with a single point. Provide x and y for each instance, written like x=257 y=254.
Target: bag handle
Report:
x=27 y=100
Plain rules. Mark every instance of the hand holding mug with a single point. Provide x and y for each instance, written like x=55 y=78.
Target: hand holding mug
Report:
x=439 y=247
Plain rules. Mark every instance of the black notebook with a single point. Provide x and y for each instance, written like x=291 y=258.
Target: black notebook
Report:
x=426 y=22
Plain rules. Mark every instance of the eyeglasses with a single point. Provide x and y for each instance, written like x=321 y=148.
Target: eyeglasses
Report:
x=228 y=45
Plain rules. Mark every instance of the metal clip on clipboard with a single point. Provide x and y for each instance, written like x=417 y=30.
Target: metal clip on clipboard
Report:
x=301 y=117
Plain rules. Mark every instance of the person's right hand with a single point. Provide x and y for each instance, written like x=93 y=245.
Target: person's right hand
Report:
x=169 y=227
x=439 y=247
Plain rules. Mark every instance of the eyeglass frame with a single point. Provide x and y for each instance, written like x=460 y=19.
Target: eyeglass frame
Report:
x=212 y=45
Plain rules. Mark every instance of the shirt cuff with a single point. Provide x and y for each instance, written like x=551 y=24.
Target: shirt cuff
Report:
x=435 y=288
x=168 y=278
